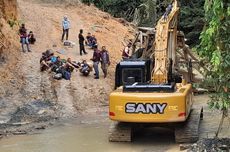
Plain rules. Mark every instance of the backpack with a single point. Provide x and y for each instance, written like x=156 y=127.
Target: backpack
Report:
x=66 y=75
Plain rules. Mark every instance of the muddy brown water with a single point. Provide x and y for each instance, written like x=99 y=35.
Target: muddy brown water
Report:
x=90 y=133
x=86 y=135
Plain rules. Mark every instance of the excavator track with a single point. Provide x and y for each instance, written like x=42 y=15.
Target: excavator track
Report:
x=120 y=132
x=188 y=132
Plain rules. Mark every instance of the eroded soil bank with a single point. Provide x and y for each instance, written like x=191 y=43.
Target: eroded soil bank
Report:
x=30 y=98
x=31 y=101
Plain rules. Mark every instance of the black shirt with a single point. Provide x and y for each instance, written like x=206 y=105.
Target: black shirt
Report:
x=81 y=39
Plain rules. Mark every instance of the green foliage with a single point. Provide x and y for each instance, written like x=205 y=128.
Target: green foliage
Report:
x=147 y=12
x=215 y=48
x=12 y=23
x=118 y=8
x=192 y=20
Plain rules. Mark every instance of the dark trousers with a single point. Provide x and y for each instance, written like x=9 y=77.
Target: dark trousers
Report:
x=82 y=49
x=65 y=32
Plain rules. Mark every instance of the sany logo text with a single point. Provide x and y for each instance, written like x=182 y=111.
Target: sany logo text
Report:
x=146 y=108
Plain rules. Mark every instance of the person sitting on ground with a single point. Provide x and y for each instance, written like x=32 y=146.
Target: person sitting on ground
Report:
x=69 y=65
x=94 y=41
x=73 y=63
x=89 y=40
x=57 y=65
x=85 y=68
x=126 y=51
x=43 y=64
x=24 y=38
x=47 y=53
x=45 y=60
x=104 y=61
x=31 y=38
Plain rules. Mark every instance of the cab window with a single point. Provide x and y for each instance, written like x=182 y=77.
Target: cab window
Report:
x=132 y=72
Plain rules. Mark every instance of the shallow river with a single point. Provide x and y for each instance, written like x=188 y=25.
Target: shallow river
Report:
x=90 y=133
x=86 y=136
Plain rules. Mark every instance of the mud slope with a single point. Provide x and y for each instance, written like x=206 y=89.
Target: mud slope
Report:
x=80 y=93
x=8 y=46
x=38 y=97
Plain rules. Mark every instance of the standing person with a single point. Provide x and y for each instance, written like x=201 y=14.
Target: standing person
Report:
x=24 y=38
x=126 y=51
x=96 y=59
x=167 y=12
x=81 y=42
x=104 y=61
x=66 y=27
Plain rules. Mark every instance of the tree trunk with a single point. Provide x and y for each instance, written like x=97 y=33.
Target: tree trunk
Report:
x=224 y=115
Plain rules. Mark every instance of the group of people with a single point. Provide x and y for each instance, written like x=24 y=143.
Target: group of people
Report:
x=100 y=57
x=62 y=68
x=26 y=38
x=91 y=41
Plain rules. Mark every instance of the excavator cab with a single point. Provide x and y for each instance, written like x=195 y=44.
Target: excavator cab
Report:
x=132 y=71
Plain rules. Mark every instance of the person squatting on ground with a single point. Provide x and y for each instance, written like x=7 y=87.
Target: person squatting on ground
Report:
x=24 y=38
x=126 y=51
x=31 y=38
x=94 y=41
x=69 y=65
x=85 y=68
x=81 y=42
x=96 y=59
x=91 y=40
x=105 y=62
x=46 y=60
x=66 y=27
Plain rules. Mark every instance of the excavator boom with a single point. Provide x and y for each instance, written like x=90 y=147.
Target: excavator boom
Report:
x=165 y=48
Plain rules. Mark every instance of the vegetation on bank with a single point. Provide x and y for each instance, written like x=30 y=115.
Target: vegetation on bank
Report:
x=215 y=49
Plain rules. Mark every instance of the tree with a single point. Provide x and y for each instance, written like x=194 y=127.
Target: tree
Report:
x=145 y=14
x=192 y=20
x=215 y=48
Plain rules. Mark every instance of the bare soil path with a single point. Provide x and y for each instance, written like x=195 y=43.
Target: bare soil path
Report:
x=79 y=94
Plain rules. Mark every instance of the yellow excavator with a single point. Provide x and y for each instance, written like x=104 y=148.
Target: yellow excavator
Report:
x=153 y=88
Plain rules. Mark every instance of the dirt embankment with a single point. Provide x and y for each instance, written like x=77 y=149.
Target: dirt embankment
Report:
x=34 y=97
x=8 y=38
x=9 y=46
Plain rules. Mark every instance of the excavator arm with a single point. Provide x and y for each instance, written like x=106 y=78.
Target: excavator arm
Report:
x=165 y=46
